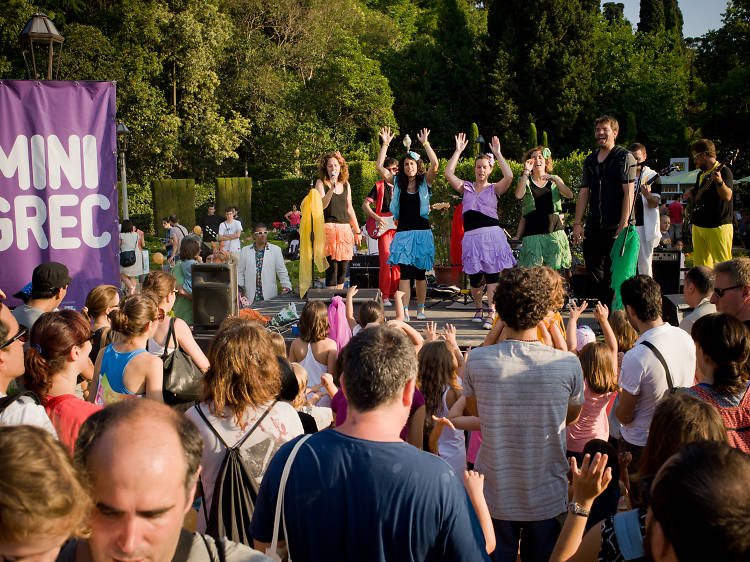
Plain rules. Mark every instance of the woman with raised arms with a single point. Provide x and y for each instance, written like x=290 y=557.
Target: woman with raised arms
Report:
x=485 y=249
x=413 y=247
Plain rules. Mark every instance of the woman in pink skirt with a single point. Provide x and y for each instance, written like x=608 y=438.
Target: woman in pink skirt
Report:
x=485 y=249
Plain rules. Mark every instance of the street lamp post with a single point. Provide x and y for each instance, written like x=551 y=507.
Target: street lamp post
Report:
x=41 y=29
x=122 y=144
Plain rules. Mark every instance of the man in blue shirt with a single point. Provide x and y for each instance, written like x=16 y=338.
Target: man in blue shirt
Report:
x=359 y=492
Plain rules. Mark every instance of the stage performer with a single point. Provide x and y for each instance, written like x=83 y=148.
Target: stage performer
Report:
x=485 y=250
x=336 y=194
x=609 y=186
x=413 y=247
x=381 y=195
x=712 y=209
x=648 y=196
x=544 y=239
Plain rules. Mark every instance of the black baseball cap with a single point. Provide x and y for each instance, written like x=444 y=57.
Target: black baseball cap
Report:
x=49 y=276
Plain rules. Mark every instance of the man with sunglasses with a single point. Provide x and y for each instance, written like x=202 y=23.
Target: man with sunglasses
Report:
x=381 y=195
x=731 y=293
x=18 y=409
x=49 y=285
x=260 y=264
x=712 y=214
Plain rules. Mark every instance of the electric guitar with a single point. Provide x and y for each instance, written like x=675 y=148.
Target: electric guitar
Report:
x=376 y=231
x=695 y=202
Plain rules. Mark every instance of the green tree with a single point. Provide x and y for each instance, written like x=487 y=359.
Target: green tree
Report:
x=531 y=140
x=651 y=16
x=545 y=141
x=673 y=17
x=613 y=11
x=473 y=144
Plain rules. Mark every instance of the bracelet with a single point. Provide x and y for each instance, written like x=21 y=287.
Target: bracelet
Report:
x=426 y=144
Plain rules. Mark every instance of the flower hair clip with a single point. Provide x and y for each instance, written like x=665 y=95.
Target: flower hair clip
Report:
x=413 y=155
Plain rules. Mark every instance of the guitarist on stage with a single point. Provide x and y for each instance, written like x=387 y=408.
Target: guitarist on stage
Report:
x=381 y=194
x=712 y=207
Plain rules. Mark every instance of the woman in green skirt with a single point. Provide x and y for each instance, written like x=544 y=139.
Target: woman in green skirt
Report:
x=544 y=240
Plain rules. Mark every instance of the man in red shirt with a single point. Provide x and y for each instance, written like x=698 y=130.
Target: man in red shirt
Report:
x=675 y=216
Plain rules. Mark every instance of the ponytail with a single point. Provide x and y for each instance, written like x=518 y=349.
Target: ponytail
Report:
x=134 y=314
x=726 y=341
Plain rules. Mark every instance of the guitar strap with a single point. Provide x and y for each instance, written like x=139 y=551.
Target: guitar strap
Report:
x=379 y=190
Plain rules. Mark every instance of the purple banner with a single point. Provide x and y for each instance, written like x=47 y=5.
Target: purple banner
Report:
x=58 y=183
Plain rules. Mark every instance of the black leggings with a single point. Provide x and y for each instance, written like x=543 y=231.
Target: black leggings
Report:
x=411 y=272
x=475 y=279
x=336 y=272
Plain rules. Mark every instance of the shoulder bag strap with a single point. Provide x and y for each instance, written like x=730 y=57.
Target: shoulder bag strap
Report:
x=170 y=335
x=661 y=359
x=280 y=502
x=255 y=425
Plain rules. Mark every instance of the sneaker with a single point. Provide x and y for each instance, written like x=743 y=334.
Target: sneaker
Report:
x=387 y=302
x=406 y=315
x=487 y=324
x=477 y=316
x=421 y=316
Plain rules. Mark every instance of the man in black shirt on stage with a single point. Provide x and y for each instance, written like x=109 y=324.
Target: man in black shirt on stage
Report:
x=608 y=189
x=712 y=208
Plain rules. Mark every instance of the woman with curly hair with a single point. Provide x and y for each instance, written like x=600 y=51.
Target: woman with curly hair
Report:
x=485 y=249
x=413 y=246
x=58 y=352
x=43 y=498
x=722 y=346
x=544 y=239
x=239 y=404
x=338 y=212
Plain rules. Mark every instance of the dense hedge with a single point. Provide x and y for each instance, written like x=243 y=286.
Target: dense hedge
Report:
x=362 y=176
x=140 y=206
x=274 y=198
x=205 y=193
x=174 y=197
x=235 y=192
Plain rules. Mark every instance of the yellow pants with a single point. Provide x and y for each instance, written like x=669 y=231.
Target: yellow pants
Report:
x=712 y=245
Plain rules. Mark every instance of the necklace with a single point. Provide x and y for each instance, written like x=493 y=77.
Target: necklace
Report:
x=521 y=339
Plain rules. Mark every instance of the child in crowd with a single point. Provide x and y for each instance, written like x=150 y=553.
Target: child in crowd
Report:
x=190 y=254
x=437 y=378
x=599 y=381
x=278 y=343
x=314 y=350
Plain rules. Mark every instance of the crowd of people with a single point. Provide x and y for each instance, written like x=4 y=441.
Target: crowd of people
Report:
x=391 y=443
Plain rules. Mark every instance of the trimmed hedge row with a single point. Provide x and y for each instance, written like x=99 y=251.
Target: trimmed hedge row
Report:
x=274 y=198
x=235 y=192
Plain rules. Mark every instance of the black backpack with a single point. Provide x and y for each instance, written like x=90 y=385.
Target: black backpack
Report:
x=6 y=401
x=235 y=492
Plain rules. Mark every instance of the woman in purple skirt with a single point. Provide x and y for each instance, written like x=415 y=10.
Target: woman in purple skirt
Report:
x=485 y=251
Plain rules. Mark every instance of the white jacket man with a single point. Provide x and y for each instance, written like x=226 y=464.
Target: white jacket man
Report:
x=272 y=266
x=647 y=210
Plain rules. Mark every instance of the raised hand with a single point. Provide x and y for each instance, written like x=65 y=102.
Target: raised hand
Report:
x=495 y=146
x=601 y=314
x=351 y=291
x=461 y=142
x=591 y=480
x=423 y=134
x=385 y=135
x=430 y=332
x=449 y=334
x=575 y=310
x=528 y=165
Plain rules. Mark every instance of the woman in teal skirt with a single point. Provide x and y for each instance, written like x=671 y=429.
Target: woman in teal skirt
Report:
x=543 y=238
x=413 y=247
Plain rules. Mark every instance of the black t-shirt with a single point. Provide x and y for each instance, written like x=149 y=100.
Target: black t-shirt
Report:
x=387 y=194
x=210 y=226
x=543 y=219
x=604 y=180
x=712 y=211
x=655 y=190
x=408 y=215
x=337 y=210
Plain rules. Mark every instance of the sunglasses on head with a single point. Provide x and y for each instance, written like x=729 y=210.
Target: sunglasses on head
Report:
x=22 y=334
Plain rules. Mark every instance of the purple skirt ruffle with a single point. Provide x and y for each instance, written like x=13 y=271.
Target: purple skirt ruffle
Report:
x=486 y=250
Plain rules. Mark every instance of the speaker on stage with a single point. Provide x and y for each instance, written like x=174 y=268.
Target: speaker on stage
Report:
x=214 y=293
x=364 y=271
x=666 y=268
x=674 y=308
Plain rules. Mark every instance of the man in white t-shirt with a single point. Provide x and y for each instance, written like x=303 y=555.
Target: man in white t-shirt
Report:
x=229 y=234
x=525 y=393
x=24 y=410
x=643 y=380
x=646 y=208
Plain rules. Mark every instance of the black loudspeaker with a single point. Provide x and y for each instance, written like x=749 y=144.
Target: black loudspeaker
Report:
x=666 y=268
x=674 y=308
x=214 y=293
x=327 y=295
x=364 y=271
x=365 y=260
x=582 y=286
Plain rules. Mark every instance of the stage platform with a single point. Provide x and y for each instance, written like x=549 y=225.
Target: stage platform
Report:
x=468 y=333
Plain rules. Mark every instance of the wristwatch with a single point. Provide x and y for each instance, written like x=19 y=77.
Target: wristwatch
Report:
x=576 y=509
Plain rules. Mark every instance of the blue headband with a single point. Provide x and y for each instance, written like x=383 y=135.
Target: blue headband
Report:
x=413 y=155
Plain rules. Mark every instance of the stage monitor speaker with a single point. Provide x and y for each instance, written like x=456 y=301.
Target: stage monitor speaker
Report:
x=674 y=309
x=363 y=295
x=582 y=286
x=666 y=268
x=365 y=260
x=214 y=293
x=364 y=277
